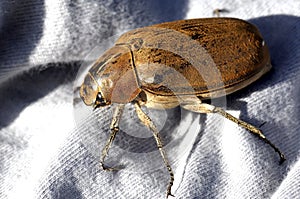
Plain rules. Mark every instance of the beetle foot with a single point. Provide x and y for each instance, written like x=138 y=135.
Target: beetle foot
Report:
x=281 y=155
x=169 y=192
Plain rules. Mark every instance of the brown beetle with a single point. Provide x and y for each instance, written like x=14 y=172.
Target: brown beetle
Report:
x=177 y=63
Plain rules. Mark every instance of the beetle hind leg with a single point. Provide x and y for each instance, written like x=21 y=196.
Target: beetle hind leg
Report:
x=207 y=108
x=148 y=122
x=114 y=128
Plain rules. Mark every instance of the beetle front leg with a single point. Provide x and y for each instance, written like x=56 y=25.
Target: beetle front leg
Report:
x=207 y=108
x=148 y=123
x=114 y=128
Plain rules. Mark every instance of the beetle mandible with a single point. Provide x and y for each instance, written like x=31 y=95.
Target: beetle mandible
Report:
x=127 y=72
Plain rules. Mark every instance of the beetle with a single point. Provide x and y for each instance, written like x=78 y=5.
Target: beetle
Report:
x=177 y=63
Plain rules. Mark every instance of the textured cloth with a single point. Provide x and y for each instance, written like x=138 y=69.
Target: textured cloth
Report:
x=50 y=142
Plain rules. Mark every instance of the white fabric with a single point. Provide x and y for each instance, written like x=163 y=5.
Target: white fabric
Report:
x=50 y=145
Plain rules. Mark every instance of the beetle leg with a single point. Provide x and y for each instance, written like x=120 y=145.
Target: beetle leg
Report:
x=114 y=128
x=218 y=11
x=207 y=108
x=144 y=118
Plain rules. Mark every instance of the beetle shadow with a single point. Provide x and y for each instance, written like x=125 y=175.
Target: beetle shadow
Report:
x=281 y=33
x=145 y=145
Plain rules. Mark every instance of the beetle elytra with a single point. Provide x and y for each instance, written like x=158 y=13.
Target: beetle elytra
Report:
x=168 y=64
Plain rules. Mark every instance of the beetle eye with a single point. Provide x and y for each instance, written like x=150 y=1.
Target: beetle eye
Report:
x=100 y=101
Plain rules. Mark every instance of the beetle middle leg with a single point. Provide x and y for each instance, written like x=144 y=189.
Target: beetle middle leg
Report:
x=207 y=108
x=114 y=127
x=148 y=122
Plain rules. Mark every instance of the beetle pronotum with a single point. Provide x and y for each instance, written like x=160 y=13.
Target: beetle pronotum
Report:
x=137 y=70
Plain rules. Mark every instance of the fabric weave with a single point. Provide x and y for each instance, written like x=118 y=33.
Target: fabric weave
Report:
x=50 y=143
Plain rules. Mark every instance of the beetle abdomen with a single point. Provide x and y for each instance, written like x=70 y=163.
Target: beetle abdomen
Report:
x=197 y=56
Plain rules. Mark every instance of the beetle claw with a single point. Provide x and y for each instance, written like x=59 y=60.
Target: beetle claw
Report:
x=169 y=191
x=169 y=194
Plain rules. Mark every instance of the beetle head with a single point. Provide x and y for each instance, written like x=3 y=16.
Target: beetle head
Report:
x=111 y=79
x=91 y=94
